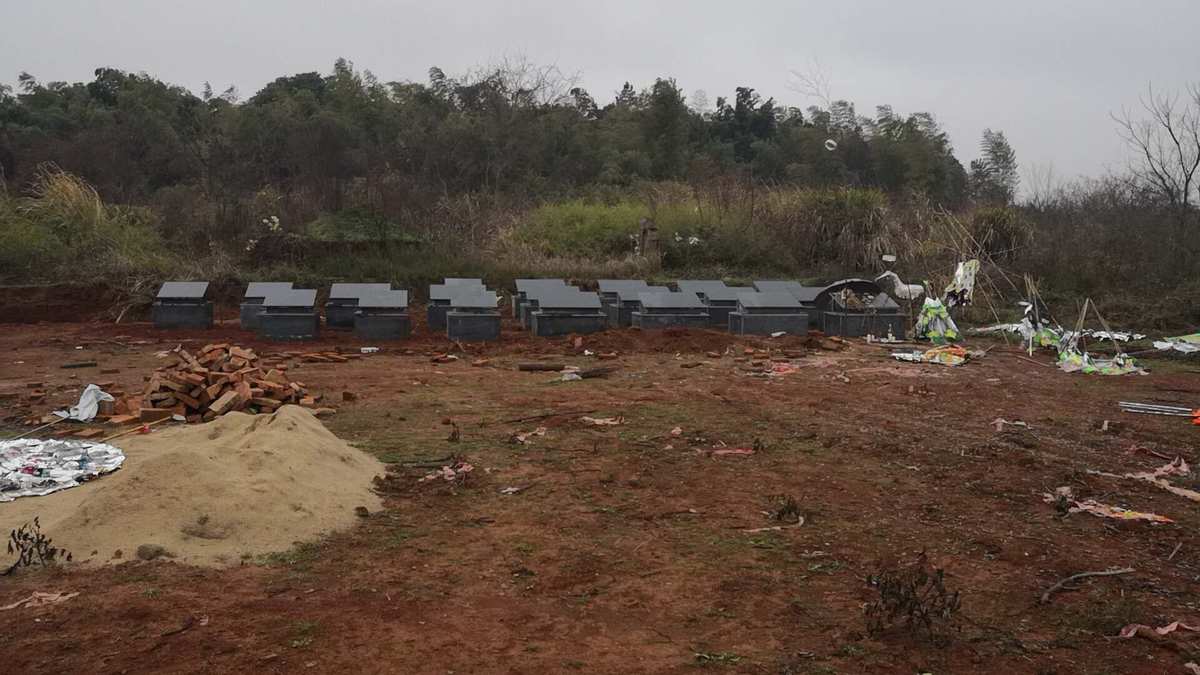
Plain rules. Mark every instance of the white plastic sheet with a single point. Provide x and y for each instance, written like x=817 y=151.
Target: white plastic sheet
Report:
x=31 y=468
x=89 y=404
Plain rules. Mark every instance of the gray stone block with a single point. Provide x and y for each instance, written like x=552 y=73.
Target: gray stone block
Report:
x=250 y=311
x=549 y=324
x=765 y=324
x=718 y=315
x=860 y=324
x=648 y=321
x=340 y=314
x=285 y=325
x=472 y=326
x=168 y=314
x=435 y=314
x=382 y=326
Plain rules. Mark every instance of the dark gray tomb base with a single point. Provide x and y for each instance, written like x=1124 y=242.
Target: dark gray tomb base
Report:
x=435 y=314
x=525 y=312
x=340 y=315
x=766 y=324
x=648 y=321
x=288 y=325
x=382 y=326
x=718 y=315
x=549 y=324
x=620 y=314
x=859 y=324
x=182 y=314
x=472 y=326
x=251 y=311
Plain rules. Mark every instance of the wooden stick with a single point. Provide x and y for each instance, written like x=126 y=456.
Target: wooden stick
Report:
x=1174 y=551
x=1033 y=361
x=34 y=431
x=544 y=416
x=1082 y=575
x=598 y=371
x=539 y=367
x=137 y=428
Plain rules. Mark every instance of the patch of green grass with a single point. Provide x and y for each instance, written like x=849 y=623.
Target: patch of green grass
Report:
x=301 y=556
x=524 y=548
x=303 y=633
x=1102 y=616
x=150 y=593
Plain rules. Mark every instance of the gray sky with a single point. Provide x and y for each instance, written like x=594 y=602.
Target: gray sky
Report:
x=1047 y=73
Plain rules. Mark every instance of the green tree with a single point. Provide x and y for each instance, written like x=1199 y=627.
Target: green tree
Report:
x=994 y=177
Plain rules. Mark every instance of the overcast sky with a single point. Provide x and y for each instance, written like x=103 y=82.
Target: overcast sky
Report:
x=1046 y=72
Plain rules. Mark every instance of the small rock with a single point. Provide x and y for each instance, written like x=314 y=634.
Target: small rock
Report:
x=361 y=511
x=323 y=412
x=349 y=396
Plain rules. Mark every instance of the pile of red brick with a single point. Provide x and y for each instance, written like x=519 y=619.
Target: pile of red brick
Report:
x=220 y=378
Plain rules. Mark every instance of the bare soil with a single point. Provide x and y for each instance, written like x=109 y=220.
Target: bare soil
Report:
x=626 y=548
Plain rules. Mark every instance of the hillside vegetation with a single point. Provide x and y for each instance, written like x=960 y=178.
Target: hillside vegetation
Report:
x=512 y=170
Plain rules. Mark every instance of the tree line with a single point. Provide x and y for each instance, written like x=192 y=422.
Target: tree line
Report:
x=316 y=143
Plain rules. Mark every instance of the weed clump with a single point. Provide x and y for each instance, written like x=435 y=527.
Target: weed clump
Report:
x=913 y=596
x=33 y=548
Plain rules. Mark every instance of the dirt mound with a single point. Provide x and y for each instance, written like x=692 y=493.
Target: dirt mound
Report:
x=211 y=494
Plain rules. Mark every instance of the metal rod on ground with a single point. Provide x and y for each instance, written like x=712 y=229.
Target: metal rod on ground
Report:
x=1174 y=408
x=1159 y=406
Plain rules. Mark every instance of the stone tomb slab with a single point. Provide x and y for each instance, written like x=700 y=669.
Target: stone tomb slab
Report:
x=670 y=310
x=290 y=314
x=473 y=316
x=620 y=313
x=568 y=310
x=182 y=304
x=721 y=301
x=343 y=299
x=252 y=302
x=768 y=313
x=383 y=316
x=524 y=288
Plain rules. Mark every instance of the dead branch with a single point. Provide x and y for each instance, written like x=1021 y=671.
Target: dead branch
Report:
x=1062 y=585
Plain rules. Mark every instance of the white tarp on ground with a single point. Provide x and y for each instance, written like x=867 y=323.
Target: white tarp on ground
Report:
x=88 y=406
x=32 y=468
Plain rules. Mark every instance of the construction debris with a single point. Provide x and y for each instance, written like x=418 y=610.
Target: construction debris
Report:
x=221 y=378
x=1156 y=634
x=1155 y=409
x=946 y=355
x=39 y=599
x=1064 y=497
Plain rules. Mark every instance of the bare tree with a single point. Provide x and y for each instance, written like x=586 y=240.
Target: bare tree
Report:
x=1042 y=185
x=813 y=83
x=526 y=83
x=1167 y=144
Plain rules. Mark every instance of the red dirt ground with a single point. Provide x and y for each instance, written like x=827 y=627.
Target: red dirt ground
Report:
x=627 y=552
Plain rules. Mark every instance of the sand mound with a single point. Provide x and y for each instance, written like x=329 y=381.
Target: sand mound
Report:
x=211 y=494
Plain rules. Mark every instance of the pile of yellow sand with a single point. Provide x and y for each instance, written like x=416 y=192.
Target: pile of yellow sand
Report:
x=211 y=494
